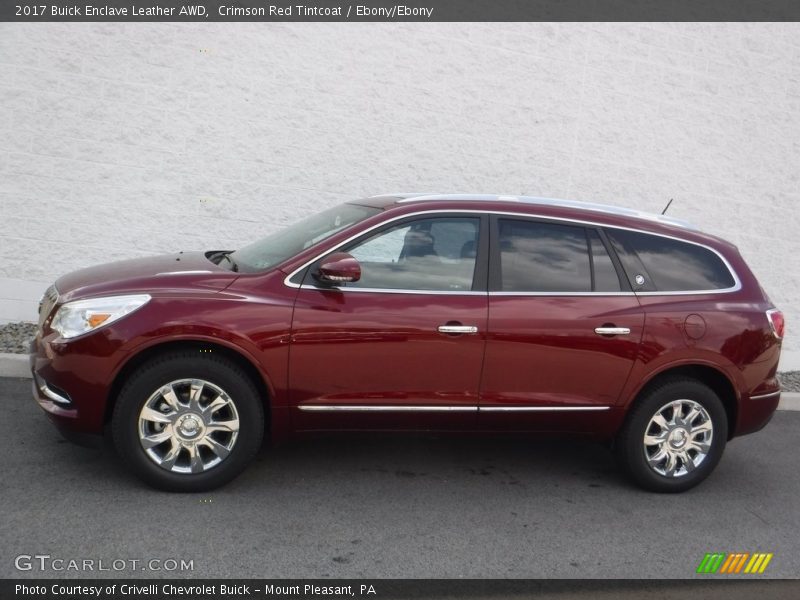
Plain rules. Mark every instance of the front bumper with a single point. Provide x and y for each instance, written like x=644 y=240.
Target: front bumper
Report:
x=71 y=383
x=64 y=419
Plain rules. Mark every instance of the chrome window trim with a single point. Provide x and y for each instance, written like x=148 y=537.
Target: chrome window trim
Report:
x=288 y=283
x=729 y=290
x=763 y=396
x=466 y=408
x=391 y=291
x=464 y=293
x=735 y=288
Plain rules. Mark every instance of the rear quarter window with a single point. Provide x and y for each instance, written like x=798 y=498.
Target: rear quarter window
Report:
x=656 y=263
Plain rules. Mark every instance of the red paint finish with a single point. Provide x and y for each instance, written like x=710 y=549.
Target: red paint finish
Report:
x=385 y=349
x=543 y=352
x=737 y=343
x=340 y=266
x=313 y=346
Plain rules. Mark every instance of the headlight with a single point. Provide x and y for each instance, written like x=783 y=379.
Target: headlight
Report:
x=81 y=316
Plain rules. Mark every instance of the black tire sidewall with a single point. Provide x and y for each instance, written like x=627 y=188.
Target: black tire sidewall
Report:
x=149 y=378
x=631 y=439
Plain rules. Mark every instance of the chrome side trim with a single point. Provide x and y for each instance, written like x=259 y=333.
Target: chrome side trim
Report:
x=542 y=408
x=735 y=288
x=762 y=396
x=383 y=408
x=404 y=408
x=48 y=393
x=557 y=294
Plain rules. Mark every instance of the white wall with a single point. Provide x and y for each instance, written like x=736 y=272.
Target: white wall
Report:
x=121 y=140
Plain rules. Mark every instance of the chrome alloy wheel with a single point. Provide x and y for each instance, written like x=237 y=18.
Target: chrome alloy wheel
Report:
x=678 y=438
x=188 y=426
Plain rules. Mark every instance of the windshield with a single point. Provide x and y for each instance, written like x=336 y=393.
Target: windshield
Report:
x=279 y=246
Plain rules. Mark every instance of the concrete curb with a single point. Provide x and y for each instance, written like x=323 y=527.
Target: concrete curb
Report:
x=16 y=365
x=789 y=401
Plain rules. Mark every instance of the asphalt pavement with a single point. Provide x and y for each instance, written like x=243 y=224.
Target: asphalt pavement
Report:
x=392 y=506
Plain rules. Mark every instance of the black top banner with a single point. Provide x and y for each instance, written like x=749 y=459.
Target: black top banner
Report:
x=399 y=11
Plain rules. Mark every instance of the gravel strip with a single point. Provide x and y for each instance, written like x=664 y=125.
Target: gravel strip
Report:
x=14 y=338
x=790 y=381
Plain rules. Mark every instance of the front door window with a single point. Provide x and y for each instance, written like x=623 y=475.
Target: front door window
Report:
x=436 y=254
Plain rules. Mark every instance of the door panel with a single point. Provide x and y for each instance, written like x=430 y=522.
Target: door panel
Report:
x=546 y=368
x=543 y=351
x=376 y=350
x=370 y=355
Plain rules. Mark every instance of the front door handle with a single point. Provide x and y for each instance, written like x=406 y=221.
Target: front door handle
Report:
x=612 y=330
x=457 y=329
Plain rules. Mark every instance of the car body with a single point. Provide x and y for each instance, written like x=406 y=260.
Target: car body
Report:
x=423 y=312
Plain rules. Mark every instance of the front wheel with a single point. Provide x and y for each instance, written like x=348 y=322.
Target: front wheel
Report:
x=188 y=422
x=674 y=436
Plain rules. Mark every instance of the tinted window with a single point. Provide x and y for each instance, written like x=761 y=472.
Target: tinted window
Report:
x=605 y=276
x=427 y=254
x=662 y=264
x=543 y=257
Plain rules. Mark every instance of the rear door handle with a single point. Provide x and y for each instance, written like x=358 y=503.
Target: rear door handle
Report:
x=609 y=330
x=458 y=329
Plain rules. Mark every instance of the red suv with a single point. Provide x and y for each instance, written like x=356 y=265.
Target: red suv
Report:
x=419 y=312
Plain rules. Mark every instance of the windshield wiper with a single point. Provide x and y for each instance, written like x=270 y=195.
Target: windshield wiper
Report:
x=234 y=266
x=216 y=258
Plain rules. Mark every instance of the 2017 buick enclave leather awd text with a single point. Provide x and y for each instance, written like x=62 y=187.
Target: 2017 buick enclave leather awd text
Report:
x=412 y=312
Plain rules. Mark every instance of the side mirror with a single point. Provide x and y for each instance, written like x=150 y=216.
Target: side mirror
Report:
x=339 y=267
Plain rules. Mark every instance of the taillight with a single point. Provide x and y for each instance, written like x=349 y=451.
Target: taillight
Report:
x=776 y=321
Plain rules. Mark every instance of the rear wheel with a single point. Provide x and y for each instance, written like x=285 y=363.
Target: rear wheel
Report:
x=188 y=422
x=674 y=436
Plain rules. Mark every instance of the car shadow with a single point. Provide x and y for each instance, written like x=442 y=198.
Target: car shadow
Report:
x=443 y=459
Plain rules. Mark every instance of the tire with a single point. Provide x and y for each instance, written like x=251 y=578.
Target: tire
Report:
x=188 y=421
x=681 y=454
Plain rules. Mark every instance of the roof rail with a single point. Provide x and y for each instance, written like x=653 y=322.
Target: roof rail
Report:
x=592 y=206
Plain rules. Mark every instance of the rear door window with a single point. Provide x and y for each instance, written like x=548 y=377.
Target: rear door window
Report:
x=542 y=257
x=604 y=274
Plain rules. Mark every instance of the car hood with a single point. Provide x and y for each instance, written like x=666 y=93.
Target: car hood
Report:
x=168 y=273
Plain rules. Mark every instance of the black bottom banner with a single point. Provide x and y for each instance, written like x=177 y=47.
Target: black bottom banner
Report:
x=473 y=589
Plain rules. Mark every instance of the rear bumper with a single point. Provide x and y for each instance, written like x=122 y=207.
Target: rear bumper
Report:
x=756 y=411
